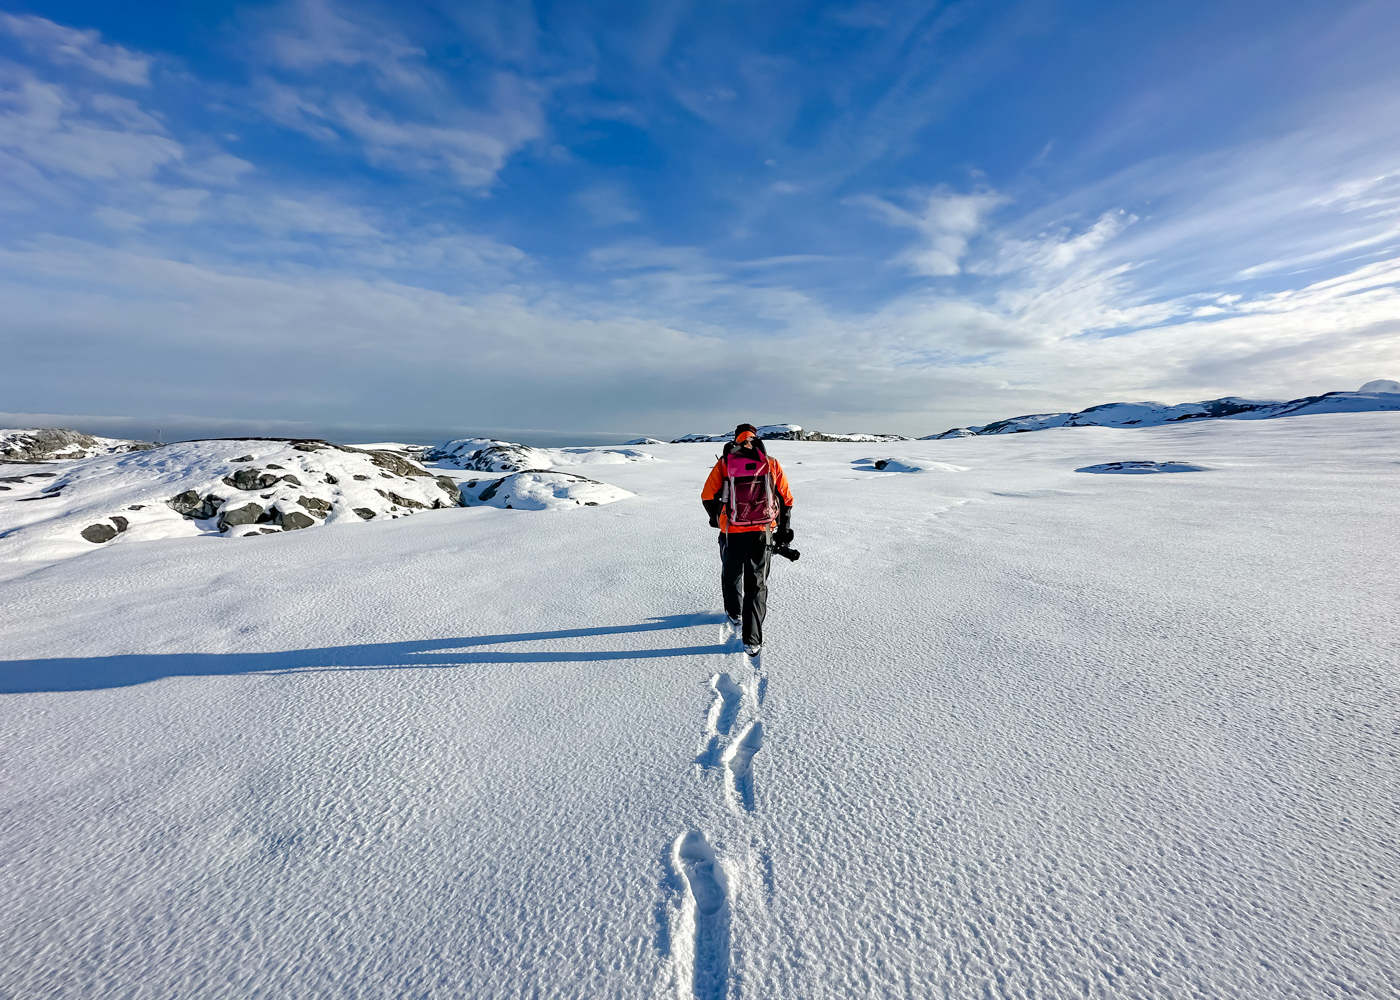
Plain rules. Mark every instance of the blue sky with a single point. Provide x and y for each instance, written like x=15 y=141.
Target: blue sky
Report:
x=422 y=219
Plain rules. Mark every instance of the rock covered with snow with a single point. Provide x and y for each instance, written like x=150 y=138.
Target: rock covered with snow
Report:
x=904 y=465
x=231 y=487
x=487 y=455
x=540 y=490
x=1381 y=385
x=646 y=441
x=48 y=444
x=1141 y=468
x=780 y=432
x=855 y=438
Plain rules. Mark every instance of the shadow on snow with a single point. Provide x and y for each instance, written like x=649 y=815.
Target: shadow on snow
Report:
x=92 y=673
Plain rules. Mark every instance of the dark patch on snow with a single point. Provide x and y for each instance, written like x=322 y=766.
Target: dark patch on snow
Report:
x=1141 y=468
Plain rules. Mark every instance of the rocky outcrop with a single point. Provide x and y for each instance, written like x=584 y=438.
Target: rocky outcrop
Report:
x=49 y=444
x=794 y=432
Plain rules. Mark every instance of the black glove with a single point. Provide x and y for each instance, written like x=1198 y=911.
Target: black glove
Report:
x=712 y=507
x=783 y=535
x=714 y=520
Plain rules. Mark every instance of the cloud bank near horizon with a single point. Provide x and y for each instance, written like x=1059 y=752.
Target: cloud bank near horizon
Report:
x=882 y=217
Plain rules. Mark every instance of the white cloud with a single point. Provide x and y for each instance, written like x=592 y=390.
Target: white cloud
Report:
x=70 y=46
x=100 y=137
x=945 y=221
x=607 y=206
x=331 y=77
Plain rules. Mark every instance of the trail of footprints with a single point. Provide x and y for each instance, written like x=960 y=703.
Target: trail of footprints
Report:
x=700 y=941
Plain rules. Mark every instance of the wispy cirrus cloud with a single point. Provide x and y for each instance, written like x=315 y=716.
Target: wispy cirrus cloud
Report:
x=82 y=49
x=946 y=222
x=341 y=76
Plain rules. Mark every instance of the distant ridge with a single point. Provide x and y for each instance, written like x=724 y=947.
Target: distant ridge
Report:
x=1380 y=394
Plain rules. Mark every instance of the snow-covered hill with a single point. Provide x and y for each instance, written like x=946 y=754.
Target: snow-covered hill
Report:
x=233 y=487
x=793 y=432
x=256 y=486
x=487 y=455
x=1016 y=731
x=1373 y=396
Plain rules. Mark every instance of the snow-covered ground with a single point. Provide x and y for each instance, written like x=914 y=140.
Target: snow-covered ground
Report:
x=1018 y=731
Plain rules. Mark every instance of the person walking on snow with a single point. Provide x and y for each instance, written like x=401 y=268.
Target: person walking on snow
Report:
x=749 y=501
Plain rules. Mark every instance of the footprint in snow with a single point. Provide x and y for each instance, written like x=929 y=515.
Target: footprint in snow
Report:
x=738 y=764
x=701 y=946
x=724 y=708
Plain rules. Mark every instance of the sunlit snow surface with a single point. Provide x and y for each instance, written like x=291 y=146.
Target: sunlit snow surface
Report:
x=1016 y=732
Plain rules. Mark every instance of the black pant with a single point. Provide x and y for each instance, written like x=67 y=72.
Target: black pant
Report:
x=744 y=561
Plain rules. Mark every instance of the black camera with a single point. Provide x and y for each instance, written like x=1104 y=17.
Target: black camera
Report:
x=787 y=552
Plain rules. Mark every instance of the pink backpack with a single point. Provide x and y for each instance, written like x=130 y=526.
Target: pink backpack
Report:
x=748 y=487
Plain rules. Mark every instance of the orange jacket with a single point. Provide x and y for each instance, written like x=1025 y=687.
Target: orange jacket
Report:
x=715 y=483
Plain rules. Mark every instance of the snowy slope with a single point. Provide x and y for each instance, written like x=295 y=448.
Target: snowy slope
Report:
x=231 y=487
x=1374 y=396
x=1017 y=732
x=487 y=455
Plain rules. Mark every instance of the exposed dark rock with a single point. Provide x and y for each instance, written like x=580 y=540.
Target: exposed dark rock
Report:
x=43 y=444
x=245 y=458
x=247 y=514
x=331 y=480
x=189 y=504
x=288 y=478
x=317 y=506
x=137 y=506
x=271 y=466
x=490 y=491
x=404 y=502
x=120 y=522
x=395 y=463
x=251 y=479
x=51 y=496
x=361 y=477
x=450 y=488
x=364 y=512
x=99 y=533
x=295 y=520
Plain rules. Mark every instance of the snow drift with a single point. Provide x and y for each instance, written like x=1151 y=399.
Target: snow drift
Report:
x=540 y=490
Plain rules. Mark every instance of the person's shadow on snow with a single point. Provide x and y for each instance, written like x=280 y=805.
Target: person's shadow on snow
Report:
x=92 y=673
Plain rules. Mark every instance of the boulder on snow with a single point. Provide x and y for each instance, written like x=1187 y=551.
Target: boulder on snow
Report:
x=294 y=520
x=230 y=515
x=642 y=441
x=99 y=533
